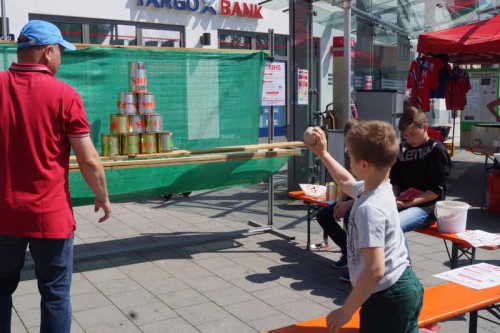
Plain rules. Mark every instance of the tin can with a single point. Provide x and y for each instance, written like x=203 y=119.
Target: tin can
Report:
x=147 y=103
x=332 y=192
x=164 y=142
x=152 y=123
x=127 y=103
x=119 y=124
x=148 y=143
x=110 y=144
x=138 y=79
x=136 y=124
x=130 y=144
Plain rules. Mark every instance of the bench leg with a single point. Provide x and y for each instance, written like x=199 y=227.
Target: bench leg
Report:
x=309 y=216
x=473 y=322
x=454 y=255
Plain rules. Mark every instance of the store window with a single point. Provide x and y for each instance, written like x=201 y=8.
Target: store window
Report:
x=72 y=32
x=106 y=32
x=230 y=41
x=112 y=34
x=161 y=38
x=280 y=44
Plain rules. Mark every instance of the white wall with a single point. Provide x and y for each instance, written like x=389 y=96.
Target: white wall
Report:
x=196 y=23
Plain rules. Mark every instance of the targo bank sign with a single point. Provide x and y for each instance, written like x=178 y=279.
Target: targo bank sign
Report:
x=225 y=8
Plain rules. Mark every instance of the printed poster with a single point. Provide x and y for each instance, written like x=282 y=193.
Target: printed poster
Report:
x=273 y=89
x=303 y=88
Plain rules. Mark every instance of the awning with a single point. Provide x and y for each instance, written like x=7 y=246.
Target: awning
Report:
x=477 y=43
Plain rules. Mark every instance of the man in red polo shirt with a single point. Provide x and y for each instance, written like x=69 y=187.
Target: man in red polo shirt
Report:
x=41 y=119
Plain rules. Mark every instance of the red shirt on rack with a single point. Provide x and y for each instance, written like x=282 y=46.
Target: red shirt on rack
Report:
x=419 y=80
x=456 y=90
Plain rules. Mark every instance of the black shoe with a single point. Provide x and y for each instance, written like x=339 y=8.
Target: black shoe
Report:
x=341 y=263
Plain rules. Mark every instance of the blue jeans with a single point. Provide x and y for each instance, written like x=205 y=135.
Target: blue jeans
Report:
x=414 y=218
x=53 y=268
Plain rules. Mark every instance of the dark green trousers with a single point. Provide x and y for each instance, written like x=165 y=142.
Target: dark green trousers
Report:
x=395 y=309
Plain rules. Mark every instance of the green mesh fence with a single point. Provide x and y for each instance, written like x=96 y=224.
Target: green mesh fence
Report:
x=206 y=98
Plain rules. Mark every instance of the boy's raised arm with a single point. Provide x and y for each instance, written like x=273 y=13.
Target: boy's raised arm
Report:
x=340 y=175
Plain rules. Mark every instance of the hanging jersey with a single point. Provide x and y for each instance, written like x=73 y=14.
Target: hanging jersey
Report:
x=456 y=90
x=419 y=80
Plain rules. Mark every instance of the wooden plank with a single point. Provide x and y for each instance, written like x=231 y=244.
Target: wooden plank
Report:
x=228 y=149
x=213 y=158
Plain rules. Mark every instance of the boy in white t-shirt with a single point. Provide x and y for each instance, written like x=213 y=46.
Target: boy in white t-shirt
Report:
x=384 y=285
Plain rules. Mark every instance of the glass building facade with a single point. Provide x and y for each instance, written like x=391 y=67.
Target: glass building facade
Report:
x=384 y=35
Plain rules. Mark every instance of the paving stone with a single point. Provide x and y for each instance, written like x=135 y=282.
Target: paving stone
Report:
x=303 y=310
x=98 y=318
x=229 y=295
x=203 y=313
x=89 y=301
x=277 y=295
x=174 y=325
x=229 y=325
x=271 y=322
x=162 y=286
x=134 y=297
x=151 y=273
x=152 y=312
x=208 y=283
x=182 y=298
x=251 y=310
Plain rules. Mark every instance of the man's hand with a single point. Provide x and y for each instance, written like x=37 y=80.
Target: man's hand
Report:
x=106 y=207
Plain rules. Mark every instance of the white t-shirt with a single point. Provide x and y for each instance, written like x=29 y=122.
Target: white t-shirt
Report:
x=374 y=222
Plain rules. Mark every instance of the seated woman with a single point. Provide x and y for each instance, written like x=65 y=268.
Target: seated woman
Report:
x=329 y=217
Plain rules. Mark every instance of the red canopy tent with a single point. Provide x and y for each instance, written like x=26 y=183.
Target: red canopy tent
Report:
x=477 y=43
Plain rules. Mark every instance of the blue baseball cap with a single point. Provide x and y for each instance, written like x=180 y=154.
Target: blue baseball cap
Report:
x=38 y=32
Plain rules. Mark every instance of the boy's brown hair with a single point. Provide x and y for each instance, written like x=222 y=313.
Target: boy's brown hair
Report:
x=411 y=117
x=350 y=123
x=373 y=141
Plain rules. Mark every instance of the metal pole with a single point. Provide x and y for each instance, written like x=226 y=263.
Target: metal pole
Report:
x=4 y=21
x=347 y=61
x=270 y=139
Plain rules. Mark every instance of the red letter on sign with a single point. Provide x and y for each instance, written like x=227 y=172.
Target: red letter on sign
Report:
x=236 y=9
x=225 y=7
x=247 y=10
x=256 y=12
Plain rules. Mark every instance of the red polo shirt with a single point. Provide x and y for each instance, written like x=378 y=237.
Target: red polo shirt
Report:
x=38 y=113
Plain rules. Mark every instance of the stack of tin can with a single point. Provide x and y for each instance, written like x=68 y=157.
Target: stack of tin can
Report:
x=136 y=128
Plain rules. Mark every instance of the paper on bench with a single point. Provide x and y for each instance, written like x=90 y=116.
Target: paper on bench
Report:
x=478 y=276
x=313 y=190
x=478 y=238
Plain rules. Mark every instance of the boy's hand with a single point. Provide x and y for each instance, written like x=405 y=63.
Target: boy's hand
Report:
x=341 y=209
x=319 y=148
x=337 y=318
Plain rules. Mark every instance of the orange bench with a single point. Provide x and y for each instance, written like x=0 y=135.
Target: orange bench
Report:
x=441 y=302
x=313 y=206
x=458 y=245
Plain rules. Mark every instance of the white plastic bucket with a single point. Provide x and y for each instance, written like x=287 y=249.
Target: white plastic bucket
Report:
x=451 y=216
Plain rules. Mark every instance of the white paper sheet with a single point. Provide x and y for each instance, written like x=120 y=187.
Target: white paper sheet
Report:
x=478 y=276
x=479 y=238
